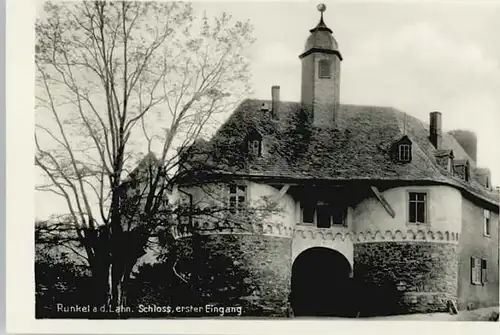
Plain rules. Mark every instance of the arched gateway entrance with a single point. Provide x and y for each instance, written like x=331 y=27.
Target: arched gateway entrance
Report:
x=321 y=283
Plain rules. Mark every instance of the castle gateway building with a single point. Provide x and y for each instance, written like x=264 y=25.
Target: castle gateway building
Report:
x=337 y=209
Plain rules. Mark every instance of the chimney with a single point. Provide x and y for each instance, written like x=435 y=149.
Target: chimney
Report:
x=435 y=129
x=275 y=94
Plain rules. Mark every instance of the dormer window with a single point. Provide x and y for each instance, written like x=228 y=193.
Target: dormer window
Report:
x=401 y=150
x=404 y=152
x=325 y=68
x=254 y=143
x=444 y=158
x=483 y=177
x=255 y=148
x=462 y=169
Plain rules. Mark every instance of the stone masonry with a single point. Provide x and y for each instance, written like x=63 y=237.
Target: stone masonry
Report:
x=424 y=273
x=248 y=270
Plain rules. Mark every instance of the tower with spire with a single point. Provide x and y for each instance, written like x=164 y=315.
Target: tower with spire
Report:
x=321 y=59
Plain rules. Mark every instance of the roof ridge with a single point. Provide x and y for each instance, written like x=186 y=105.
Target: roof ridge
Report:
x=357 y=148
x=341 y=104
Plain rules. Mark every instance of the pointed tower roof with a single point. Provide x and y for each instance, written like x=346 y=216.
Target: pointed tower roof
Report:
x=321 y=24
x=321 y=38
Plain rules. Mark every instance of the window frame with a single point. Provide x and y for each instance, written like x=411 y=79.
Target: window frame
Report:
x=401 y=152
x=475 y=270
x=409 y=202
x=487 y=223
x=484 y=271
x=302 y=209
x=465 y=171
x=321 y=66
x=344 y=214
x=320 y=207
x=254 y=147
x=315 y=208
x=237 y=195
x=478 y=271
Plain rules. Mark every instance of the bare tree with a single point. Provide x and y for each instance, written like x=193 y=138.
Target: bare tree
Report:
x=115 y=80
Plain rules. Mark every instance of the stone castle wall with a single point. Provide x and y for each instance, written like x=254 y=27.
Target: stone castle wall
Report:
x=248 y=270
x=407 y=277
x=409 y=267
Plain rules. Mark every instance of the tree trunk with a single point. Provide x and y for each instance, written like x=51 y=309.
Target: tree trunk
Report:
x=100 y=287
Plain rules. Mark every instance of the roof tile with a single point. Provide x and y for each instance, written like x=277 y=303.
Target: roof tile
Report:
x=358 y=147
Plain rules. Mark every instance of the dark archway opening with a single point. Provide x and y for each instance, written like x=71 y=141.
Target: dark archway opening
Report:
x=321 y=284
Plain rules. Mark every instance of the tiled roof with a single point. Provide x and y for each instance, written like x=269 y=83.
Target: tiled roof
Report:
x=444 y=153
x=357 y=148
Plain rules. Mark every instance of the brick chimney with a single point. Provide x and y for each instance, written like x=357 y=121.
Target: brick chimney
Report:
x=435 y=129
x=275 y=94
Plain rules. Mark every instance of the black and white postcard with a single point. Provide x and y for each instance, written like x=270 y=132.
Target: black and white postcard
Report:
x=252 y=167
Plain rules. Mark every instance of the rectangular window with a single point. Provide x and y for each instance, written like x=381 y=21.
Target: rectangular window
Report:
x=484 y=271
x=475 y=270
x=463 y=171
x=466 y=173
x=324 y=217
x=308 y=213
x=404 y=152
x=487 y=223
x=323 y=214
x=254 y=147
x=339 y=216
x=237 y=198
x=417 y=207
x=325 y=68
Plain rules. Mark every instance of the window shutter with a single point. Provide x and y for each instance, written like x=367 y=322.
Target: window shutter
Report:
x=484 y=277
x=472 y=263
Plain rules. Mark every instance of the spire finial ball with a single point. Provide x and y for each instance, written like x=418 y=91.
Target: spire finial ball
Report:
x=321 y=7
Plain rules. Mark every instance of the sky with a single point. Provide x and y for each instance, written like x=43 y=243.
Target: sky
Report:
x=418 y=57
